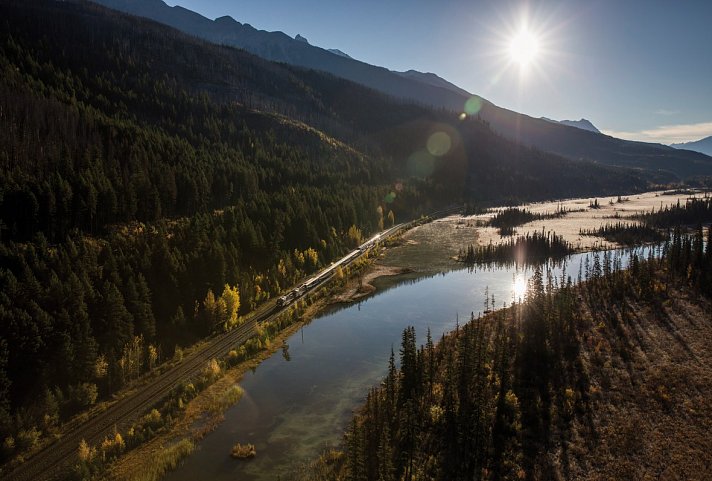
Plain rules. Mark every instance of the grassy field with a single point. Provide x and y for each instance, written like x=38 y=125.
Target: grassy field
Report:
x=582 y=216
x=432 y=247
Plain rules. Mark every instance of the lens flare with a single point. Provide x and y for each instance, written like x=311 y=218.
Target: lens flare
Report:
x=473 y=105
x=439 y=144
x=421 y=164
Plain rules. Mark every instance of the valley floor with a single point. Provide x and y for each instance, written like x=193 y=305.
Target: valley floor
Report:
x=582 y=216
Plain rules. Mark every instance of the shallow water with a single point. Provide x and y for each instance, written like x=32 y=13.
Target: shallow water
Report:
x=295 y=405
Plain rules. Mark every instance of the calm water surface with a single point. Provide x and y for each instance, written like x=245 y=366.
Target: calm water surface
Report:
x=295 y=404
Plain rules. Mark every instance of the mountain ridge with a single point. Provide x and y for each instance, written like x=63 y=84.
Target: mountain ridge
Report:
x=703 y=146
x=581 y=124
x=668 y=164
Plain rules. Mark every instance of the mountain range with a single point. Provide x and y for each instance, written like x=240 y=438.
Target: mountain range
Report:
x=583 y=143
x=703 y=145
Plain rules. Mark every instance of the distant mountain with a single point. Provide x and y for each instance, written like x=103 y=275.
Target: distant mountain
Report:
x=703 y=145
x=581 y=124
x=208 y=96
x=339 y=52
x=575 y=143
x=665 y=162
x=336 y=51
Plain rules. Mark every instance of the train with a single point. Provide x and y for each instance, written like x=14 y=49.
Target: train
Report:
x=306 y=286
x=309 y=284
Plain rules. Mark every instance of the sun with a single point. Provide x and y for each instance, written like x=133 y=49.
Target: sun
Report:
x=523 y=48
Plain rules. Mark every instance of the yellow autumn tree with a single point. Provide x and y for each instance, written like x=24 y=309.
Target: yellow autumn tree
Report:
x=299 y=258
x=152 y=356
x=282 y=268
x=355 y=236
x=312 y=258
x=209 y=308
x=230 y=299
x=101 y=367
x=84 y=452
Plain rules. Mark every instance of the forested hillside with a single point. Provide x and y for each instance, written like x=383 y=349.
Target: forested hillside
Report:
x=662 y=162
x=154 y=187
x=609 y=379
x=131 y=188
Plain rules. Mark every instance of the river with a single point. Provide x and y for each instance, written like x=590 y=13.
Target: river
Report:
x=301 y=399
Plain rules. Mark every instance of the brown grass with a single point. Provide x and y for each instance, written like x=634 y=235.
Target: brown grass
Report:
x=569 y=225
x=652 y=394
x=243 y=451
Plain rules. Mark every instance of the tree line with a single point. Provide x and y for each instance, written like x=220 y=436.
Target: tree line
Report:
x=627 y=234
x=529 y=249
x=506 y=220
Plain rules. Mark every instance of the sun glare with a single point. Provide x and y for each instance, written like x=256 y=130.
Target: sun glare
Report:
x=523 y=48
x=519 y=288
x=526 y=48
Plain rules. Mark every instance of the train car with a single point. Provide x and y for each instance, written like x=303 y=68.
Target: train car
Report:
x=350 y=257
x=285 y=299
x=298 y=292
x=325 y=275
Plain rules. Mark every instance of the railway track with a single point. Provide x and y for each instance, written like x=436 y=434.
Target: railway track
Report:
x=55 y=460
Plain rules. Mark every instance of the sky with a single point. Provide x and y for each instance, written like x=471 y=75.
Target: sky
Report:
x=637 y=69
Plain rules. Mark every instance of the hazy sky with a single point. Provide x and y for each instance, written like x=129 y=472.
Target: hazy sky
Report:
x=637 y=69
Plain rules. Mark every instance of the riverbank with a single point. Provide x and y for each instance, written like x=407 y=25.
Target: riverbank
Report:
x=607 y=379
x=422 y=251
x=361 y=286
x=201 y=415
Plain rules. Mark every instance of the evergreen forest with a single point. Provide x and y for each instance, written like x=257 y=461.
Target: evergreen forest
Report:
x=559 y=386
x=154 y=188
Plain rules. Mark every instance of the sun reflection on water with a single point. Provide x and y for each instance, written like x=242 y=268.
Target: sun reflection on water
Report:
x=519 y=287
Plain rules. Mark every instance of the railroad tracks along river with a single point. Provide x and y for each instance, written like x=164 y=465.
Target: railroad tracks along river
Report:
x=54 y=461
